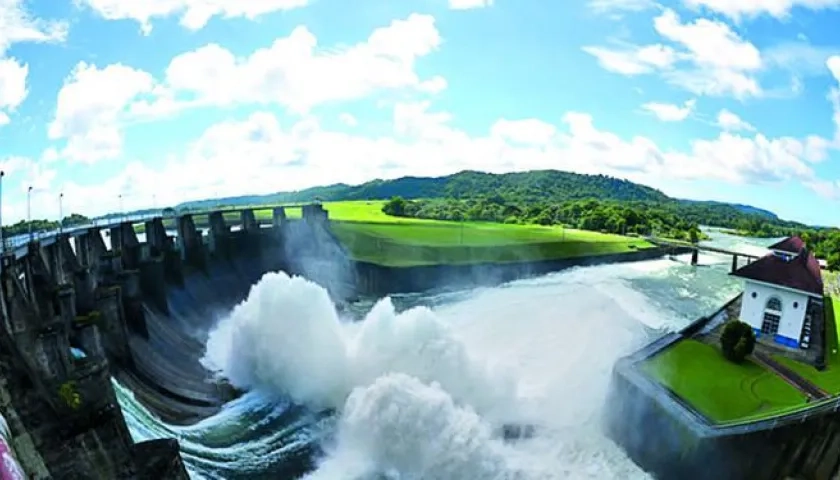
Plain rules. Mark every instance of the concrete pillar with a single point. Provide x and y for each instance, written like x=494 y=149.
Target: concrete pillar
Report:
x=249 y=221
x=278 y=217
x=90 y=247
x=315 y=213
x=189 y=241
x=135 y=318
x=218 y=238
x=156 y=235
x=153 y=282
x=114 y=330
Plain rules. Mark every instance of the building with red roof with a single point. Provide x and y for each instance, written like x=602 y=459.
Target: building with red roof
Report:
x=783 y=295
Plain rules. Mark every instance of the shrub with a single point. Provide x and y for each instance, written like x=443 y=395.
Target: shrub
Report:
x=737 y=341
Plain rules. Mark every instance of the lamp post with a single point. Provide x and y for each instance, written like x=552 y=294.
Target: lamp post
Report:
x=29 y=210
x=121 y=208
x=60 y=213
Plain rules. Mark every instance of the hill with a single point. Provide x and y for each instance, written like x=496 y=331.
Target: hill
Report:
x=534 y=186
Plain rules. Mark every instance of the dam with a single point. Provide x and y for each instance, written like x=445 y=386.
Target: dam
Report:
x=95 y=314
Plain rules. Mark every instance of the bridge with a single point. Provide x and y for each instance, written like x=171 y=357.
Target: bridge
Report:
x=697 y=248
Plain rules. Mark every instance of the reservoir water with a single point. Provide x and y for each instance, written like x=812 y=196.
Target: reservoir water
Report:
x=418 y=386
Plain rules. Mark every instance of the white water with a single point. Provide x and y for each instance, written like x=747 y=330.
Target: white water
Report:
x=421 y=394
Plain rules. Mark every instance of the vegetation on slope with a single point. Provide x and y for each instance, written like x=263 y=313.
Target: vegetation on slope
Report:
x=372 y=236
x=721 y=390
x=595 y=215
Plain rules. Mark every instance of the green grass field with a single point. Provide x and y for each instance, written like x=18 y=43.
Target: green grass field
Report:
x=828 y=379
x=721 y=390
x=370 y=235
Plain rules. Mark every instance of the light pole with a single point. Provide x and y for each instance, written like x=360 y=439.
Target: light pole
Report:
x=60 y=213
x=121 y=209
x=29 y=210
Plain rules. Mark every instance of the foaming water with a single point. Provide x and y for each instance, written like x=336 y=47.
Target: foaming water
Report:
x=420 y=390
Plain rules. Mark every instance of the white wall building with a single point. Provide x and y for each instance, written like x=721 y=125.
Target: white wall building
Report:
x=778 y=289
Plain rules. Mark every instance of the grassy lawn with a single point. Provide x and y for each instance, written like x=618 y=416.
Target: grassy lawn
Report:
x=372 y=236
x=828 y=379
x=719 y=389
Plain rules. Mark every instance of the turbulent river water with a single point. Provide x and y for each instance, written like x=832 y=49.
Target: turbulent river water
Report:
x=418 y=386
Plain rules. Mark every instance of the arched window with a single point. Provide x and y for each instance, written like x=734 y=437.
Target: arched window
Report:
x=773 y=303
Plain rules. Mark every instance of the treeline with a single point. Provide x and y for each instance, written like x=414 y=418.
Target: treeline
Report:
x=629 y=218
x=22 y=227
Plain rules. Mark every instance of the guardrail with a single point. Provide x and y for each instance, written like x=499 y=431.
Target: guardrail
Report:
x=20 y=240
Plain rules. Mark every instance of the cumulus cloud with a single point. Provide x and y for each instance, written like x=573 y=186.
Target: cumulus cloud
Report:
x=293 y=72
x=194 y=14
x=729 y=121
x=90 y=107
x=668 y=112
x=695 y=62
x=18 y=25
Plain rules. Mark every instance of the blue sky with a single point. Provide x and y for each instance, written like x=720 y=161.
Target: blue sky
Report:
x=162 y=101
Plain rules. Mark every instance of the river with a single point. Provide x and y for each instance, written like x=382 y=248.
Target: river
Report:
x=422 y=385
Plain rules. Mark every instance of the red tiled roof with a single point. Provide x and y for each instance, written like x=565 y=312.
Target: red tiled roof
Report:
x=791 y=244
x=800 y=273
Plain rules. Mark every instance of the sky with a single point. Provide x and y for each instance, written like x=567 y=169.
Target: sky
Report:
x=117 y=104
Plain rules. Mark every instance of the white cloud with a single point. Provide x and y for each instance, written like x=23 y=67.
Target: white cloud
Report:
x=668 y=112
x=295 y=73
x=194 y=14
x=833 y=65
x=731 y=122
x=633 y=60
x=469 y=4
x=18 y=25
x=12 y=83
x=95 y=102
x=712 y=58
x=90 y=107
x=738 y=9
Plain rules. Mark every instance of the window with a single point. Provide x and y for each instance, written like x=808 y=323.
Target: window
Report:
x=774 y=304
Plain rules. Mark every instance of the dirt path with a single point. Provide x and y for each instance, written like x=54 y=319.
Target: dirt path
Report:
x=812 y=391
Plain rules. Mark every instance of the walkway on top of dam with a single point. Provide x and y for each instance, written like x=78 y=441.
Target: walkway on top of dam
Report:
x=18 y=243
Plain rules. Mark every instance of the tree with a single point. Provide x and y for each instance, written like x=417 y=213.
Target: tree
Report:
x=395 y=207
x=694 y=235
x=737 y=341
